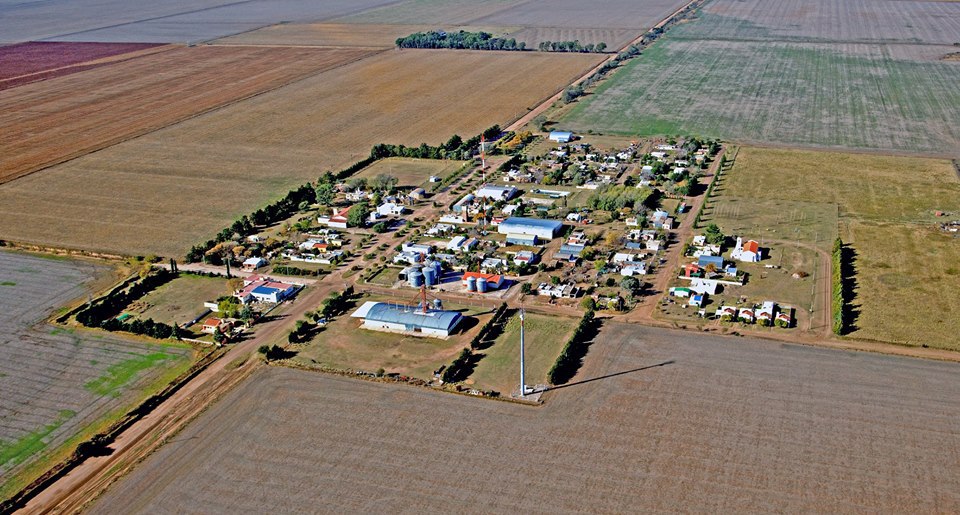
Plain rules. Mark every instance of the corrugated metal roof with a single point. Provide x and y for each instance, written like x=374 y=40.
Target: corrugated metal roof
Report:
x=413 y=316
x=538 y=223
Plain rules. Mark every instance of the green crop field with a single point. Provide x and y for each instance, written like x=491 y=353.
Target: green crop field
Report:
x=823 y=95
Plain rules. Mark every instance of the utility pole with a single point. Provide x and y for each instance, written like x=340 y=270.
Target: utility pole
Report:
x=523 y=382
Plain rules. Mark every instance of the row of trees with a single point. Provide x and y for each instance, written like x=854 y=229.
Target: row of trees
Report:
x=840 y=317
x=571 y=46
x=111 y=305
x=615 y=198
x=461 y=40
x=573 y=352
x=147 y=327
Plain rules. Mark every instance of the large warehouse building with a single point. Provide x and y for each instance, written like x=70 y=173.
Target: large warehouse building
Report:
x=400 y=318
x=543 y=229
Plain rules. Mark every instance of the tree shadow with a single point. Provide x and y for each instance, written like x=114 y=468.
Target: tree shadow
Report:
x=848 y=278
x=615 y=374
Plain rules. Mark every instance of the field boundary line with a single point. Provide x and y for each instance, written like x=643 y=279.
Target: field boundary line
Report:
x=143 y=132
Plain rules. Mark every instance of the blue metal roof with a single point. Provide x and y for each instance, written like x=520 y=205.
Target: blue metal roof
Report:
x=413 y=316
x=265 y=290
x=538 y=223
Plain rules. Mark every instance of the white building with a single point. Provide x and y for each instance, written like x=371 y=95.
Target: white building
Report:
x=495 y=192
x=748 y=252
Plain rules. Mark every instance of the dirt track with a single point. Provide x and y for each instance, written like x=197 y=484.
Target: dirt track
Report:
x=722 y=425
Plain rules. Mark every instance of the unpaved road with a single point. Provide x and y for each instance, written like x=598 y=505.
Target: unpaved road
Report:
x=730 y=425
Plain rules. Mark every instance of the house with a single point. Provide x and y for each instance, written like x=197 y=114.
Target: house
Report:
x=522 y=239
x=766 y=313
x=211 y=325
x=472 y=281
x=575 y=217
x=414 y=320
x=356 y=196
x=541 y=228
x=262 y=289
x=569 y=252
x=726 y=312
x=697 y=299
x=566 y=291
x=561 y=136
x=509 y=209
x=390 y=208
x=525 y=257
x=417 y=248
x=653 y=245
x=624 y=257
x=456 y=243
x=337 y=219
x=692 y=270
x=495 y=192
x=461 y=205
x=708 y=286
x=440 y=229
x=633 y=269
x=748 y=252
x=705 y=261
x=680 y=292
x=578 y=238
x=418 y=194
x=492 y=264
x=784 y=318
x=251 y=264
x=452 y=219
x=699 y=240
x=746 y=315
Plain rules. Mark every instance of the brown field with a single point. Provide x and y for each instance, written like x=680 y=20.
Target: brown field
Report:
x=724 y=425
x=182 y=184
x=325 y=34
x=52 y=121
x=614 y=38
x=433 y=12
x=610 y=14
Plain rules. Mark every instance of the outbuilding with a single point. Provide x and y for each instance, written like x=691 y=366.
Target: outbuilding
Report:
x=414 y=320
x=561 y=136
x=541 y=228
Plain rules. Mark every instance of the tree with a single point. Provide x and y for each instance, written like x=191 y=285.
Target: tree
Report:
x=588 y=304
x=219 y=336
x=631 y=284
x=526 y=288
x=379 y=227
x=713 y=235
x=228 y=306
x=610 y=238
x=357 y=217
x=246 y=313
x=384 y=182
x=325 y=193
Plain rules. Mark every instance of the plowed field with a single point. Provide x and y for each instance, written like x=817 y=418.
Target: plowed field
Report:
x=48 y=122
x=28 y=62
x=173 y=188
x=722 y=425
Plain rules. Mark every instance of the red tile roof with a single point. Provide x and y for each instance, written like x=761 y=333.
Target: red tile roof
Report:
x=751 y=246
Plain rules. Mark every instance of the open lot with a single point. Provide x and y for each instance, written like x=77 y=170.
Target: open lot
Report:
x=883 y=206
x=906 y=284
x=57 y=383
x=188 y=181
x=52 y=121
x=343 y=345
x=817 y=94
x=180 y=300
x=544 y=338
x=724 y=414
x=28 y=62
x=409 y=171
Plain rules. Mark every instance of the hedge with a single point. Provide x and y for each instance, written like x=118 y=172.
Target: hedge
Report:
x=570 y=359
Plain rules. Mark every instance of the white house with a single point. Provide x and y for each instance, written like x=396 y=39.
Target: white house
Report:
x=390 y=208
x=495 y=192
x=253 y=263
x=633 y=269
x=748 y=252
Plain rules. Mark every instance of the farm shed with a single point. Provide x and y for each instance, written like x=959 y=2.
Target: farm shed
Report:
x=381 y=316
x=561 y=136
x=545 y=229
x=494 y=192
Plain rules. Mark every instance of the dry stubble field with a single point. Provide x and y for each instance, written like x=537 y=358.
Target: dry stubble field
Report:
x=55 y=120
x=728 y=425
x=167 y=190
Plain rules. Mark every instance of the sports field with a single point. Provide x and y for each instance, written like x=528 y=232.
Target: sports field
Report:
x=409 y=171
x=182 y=184
x=725 y=425
x=60 y=383
x=884 y=207
x=825 y=95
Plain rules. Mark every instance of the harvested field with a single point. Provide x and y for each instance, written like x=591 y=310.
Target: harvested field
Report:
x=749 y=426
x=906 y=284
x=52 y=121
x=431 y=12
x=29 y=62
x=325 y=34
x=60 y=383
x=410 y=172
x=854 y=96
x=614 y=38
x=866 y=21
x=174 y=179
x=608 y=14
x=174 y=21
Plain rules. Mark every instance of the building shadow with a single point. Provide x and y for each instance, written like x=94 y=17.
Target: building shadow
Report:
x=615 y=374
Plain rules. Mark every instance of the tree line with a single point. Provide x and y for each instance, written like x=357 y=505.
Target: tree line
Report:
x=460 y=40
x=574 y=351
x=572 y=46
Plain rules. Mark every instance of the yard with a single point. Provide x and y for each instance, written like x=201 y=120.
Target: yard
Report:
x=343 y=345
x=180 y=300
x=544 y=338
x=410 y=172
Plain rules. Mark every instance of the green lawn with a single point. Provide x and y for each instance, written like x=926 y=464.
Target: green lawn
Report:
x=410 y=171
x=544 y=338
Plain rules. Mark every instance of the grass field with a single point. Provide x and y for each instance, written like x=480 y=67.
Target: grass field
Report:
x=184 y=183
x=55 y=120
x=826 y=95
x=180 y=300
x=544 y=338
x=747 y=426
x=410 y=172
x=60 y=384
x=343 y=345
x=883 y=206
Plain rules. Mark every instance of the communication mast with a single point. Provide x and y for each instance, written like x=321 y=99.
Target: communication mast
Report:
x=523 y=382
x=483 y=158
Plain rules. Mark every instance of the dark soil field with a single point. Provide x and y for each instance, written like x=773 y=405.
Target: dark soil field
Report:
x=56 y=382
x=28 y=62
x=656 y=421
